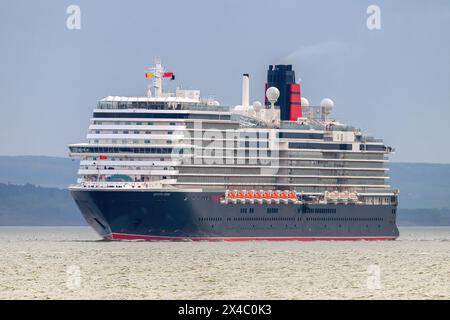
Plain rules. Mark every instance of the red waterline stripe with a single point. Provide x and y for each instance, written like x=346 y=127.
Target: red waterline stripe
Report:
x=122 y=236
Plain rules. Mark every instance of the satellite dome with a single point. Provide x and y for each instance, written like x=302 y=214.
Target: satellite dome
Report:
x=272 y=94
x=327 y=103
x=257 y=106
x=238 y=108
x=304 y=102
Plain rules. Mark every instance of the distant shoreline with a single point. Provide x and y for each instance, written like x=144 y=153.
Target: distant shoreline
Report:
x=34 y=192
x=87 y=227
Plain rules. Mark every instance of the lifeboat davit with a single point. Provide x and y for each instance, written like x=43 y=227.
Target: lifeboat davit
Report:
x=267 y=197
x=231 y=196
x=275 y=196
x=249 y=196
x=259 y=196
x=292 y=196
x=284 y=197
x=241 y=196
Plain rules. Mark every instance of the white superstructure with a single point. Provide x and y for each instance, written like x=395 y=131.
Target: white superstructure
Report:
x=182 y=141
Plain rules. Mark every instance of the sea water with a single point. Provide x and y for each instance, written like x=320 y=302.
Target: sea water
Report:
x=74 y=263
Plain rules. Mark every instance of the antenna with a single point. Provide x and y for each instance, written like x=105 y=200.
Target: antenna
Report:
x=327 y=105
x=257 y=106
x=157 y=77
x=157 y=74
x=272 y=95
x=305 y=107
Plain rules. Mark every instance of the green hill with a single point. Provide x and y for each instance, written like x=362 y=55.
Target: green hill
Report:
x=39 y=170
x=422 y=185
x=28 y=205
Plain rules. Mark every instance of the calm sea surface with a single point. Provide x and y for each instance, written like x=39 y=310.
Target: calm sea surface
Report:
x=72 y=263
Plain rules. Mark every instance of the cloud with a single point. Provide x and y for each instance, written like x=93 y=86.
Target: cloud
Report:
x=316 y=50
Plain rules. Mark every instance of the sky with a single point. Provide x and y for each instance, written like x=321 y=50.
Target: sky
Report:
x=392 y=82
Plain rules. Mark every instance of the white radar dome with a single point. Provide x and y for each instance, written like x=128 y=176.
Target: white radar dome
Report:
x=304 y=102
x=327 y=103
x=272 y=94
x=257 y=106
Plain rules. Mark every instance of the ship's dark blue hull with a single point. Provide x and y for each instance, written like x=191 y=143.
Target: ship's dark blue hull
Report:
x=150 y=215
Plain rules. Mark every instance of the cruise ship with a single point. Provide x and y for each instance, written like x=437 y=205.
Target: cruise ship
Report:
x=177 y=166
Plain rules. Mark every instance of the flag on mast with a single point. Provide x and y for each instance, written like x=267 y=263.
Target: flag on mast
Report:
x=169 y=75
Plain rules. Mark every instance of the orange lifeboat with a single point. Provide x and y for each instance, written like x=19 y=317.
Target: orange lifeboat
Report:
x=240 y=195
x=258 y=195
x=275 y=195
x=231 y=195
x=353 y=197
x=266 y=195
x=292 y=195
x=249 y=195
x=283 y=195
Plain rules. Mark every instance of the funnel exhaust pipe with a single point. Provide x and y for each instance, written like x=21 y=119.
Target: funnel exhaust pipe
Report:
x=245 y=91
